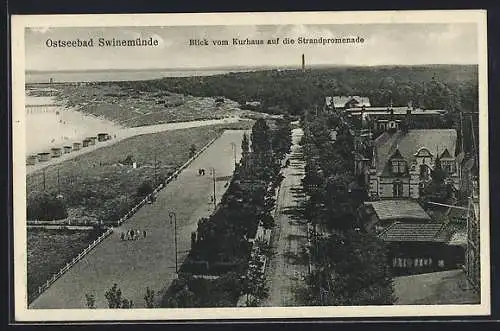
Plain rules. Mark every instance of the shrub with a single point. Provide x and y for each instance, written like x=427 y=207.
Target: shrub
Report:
x=46 y=207
x=144 y=189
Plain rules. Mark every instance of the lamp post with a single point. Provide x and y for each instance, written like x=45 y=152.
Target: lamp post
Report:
x=173 y=217
x=233 y=146
x=213 y=179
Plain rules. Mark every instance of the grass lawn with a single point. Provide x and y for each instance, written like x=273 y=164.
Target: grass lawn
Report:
x=436 y=288
x=50 y=250
x=96 y=186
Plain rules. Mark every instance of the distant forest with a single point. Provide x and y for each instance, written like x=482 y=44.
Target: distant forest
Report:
x=450 y=87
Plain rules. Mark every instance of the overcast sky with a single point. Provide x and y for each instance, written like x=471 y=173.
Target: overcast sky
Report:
x=385 y=44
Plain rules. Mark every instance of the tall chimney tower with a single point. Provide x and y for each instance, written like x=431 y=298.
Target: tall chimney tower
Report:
x=303 y=62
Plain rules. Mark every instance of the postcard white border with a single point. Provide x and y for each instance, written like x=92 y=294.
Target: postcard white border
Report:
x=20 y=22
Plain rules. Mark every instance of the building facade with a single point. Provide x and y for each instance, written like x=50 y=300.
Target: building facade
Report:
x=402 y=162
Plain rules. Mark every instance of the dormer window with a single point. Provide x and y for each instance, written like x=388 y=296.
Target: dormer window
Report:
x=398 y=163
x=398 y=167
x=448 y=162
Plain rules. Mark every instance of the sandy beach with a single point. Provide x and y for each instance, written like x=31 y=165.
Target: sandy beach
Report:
x=124 y=133
x=51 y=124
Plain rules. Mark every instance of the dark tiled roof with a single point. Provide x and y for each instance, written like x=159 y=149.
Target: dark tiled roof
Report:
x=398 y=209
x=409 y=143
x=397 y=155
x=340 y=101
x=415 y=232
x=396 y=111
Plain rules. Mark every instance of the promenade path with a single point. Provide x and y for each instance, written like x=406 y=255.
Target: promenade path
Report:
x=125 y=133
x=288 y=267
x=148 y=262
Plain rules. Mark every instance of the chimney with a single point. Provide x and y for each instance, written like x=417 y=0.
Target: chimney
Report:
x=408 y=115
x=303 y=62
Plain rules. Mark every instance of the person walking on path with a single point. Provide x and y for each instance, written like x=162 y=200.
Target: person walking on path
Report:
x=144 y=233
x=138 y=234
x=122 y=236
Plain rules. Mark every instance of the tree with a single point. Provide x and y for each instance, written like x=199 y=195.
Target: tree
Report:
x=437 y=189
x=44 y=206
x=260 y=137
x=438 y=174
x=144 y=189
x=245 y=145
x=179 y=295
x=268 y=221
x=192 y=150
x=352 y=269
x=115 y=300
x=129 y=160
x=255 y=286
x=114 y=296
x=90 y=300
x=149 y=298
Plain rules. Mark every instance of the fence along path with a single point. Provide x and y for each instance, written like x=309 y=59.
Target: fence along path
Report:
x=71 y=263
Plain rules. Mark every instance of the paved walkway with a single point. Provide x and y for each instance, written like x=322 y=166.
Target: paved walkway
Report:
x=150 y=261
x=125 y=133
x=289 y=265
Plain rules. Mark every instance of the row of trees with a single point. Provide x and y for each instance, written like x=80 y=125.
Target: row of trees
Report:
x=329 y=174
x=221 y=245
x=349 y=267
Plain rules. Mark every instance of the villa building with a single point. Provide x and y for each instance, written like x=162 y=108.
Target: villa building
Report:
x=402 y=161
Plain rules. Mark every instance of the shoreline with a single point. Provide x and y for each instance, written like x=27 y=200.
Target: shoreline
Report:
x=128 y=133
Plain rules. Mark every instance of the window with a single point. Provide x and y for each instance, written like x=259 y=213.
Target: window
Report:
x=397 y=189
x=449 y=166
x=423 y=171
x=395 y=167
x=398 y=167
x=421 y=187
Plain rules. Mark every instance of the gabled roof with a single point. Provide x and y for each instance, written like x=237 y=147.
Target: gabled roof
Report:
x=446 y=154
x=341 y=101
x=415 y=232
x=409 y=143
x=397 y=155
x=423 y=152
x=398 y=209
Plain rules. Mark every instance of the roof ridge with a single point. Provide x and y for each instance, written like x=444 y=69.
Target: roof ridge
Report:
x=388 y=228
x=440 y=231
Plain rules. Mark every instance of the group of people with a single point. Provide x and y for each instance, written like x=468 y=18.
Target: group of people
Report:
x=201 y=172
x=132 y=235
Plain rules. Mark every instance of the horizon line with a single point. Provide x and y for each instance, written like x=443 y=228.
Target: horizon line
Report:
x=286 y=66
